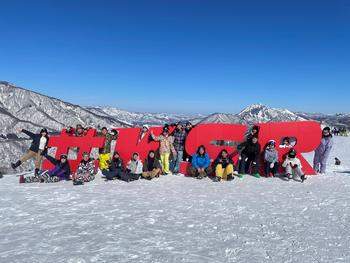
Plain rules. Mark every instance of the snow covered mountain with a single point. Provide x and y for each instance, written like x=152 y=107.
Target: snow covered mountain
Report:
x=139 y=118
x=329 y=119
x=256 y=113
x=21 y=108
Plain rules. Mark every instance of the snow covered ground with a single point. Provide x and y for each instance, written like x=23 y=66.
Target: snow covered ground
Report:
x=178 y=219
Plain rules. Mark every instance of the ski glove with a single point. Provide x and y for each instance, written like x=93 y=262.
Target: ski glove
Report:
x=272 y=165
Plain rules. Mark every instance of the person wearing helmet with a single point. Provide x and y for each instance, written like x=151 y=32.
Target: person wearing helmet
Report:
x=86 y=170
x=165 y=148
x=143 y=133
x=37 y=149
x=293 y=166
x=323 y=150
x=271 y=159
x=105 y=151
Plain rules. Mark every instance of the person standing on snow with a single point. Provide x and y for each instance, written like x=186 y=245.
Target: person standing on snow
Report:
x=323 y=150
x=37 y=149
x=105 y=151
x=179 y=145
x=143 y=133
x=165 y=148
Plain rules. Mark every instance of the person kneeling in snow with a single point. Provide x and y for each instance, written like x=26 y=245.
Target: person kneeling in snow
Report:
x=293 y=166
x=151 y=166
x=223 y=167
x=86 y=170
x=115 y=168
x=133 y=169
x=271 y=159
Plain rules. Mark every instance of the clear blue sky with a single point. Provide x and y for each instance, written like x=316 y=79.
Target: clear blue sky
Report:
x=181 y=55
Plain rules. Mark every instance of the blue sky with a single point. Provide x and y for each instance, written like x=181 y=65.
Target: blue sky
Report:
x=181 y=55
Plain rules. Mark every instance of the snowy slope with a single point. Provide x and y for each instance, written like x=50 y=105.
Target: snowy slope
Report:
x=178 y=219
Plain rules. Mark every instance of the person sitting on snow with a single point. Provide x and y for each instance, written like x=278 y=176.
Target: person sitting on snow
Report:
x=200 y=163
x=115 y=168
x=249 y=158
x=151 y=166
x=293 y=166
x=133 y=169
x=223 y=167
x=271 y=159
x=86 y=170
x=61 y=171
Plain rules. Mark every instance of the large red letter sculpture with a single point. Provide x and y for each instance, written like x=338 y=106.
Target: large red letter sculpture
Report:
x=307 y=133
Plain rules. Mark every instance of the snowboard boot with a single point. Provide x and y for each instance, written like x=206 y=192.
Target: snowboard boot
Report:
x=217 y=179
x=256 y=175
x=288 y=177
x=21 y=179
x=230 y=177
x=78 y=182
x=201 y=175
x=303 y=178
x=15 y=165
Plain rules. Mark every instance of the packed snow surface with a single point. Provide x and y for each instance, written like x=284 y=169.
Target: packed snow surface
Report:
x=179 y=219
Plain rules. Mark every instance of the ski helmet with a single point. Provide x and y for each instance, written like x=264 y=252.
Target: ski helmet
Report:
x=292 y=153
x=271 y=142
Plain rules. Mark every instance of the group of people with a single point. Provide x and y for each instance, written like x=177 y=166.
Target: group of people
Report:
x=172 y=147
x=339 y=131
